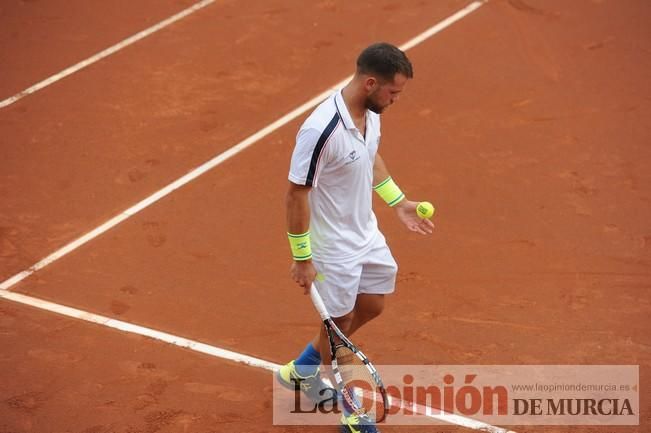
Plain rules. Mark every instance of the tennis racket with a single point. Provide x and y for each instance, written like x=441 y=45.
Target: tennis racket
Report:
x=357 y=379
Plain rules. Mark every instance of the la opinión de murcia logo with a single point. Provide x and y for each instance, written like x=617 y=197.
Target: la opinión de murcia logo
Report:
x=510 y=394
x=410 y=399
x=468 y=399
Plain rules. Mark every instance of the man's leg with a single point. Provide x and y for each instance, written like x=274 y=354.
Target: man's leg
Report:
x=344 y=323
x=304 y=370
x=378 y=278
x=338 y=286
x=367 y=308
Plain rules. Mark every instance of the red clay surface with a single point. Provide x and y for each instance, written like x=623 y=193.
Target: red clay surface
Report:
x=526 y=125
x=40 y=39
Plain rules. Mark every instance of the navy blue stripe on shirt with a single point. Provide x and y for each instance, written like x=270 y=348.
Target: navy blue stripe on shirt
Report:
x=325 y=135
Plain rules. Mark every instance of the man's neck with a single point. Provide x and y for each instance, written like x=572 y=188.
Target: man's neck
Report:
x=354 y=101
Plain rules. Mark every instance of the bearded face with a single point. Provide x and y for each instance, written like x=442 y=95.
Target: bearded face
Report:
x=383 y=93
x=374 y=105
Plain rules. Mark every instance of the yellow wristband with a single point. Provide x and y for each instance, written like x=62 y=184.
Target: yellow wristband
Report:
x=301 y=246
x=389 y=191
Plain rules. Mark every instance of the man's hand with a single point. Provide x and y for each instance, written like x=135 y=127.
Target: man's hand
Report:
x=406 y=211
x=303 y=273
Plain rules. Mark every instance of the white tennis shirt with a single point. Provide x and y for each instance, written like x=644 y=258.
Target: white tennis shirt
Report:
x=333 y=157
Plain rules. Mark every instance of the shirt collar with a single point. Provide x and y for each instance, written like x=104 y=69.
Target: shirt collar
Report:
x=343 y=111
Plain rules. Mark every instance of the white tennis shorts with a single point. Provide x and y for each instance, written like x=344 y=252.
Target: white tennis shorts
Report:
x=340 y=283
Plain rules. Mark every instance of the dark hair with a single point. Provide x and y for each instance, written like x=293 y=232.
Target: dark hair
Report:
x=384 y=60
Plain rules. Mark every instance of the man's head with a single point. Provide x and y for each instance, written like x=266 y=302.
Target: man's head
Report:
x=383 y=71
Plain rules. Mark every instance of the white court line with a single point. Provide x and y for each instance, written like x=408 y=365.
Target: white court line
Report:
x=12 y=281
x=105 y=53
x=218 y=352
x=136 y=329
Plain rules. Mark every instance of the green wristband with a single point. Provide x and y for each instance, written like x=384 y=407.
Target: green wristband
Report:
x=389 y=191
x=300 y=245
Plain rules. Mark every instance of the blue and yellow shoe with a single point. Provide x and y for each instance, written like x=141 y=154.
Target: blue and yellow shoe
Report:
x=312 y=386
x=357 y=424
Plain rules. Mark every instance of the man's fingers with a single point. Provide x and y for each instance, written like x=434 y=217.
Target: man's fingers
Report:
x=426 y=225
x=417 y=229
x=425 y=228
x=305 y=283
x=307 y=286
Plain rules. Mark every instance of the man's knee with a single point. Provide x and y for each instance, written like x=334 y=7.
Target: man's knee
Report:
x=371 y=312
x=369 y=307
x=344 y=322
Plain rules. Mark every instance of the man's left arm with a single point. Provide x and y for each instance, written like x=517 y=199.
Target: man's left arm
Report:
x=386 y=187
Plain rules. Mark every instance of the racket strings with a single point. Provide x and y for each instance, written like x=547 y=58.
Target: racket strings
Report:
x=359 y=387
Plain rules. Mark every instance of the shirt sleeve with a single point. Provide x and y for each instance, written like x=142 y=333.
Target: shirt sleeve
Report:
x=306 y=158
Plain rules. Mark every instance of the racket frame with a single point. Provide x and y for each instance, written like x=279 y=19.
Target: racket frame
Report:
x=332 y=330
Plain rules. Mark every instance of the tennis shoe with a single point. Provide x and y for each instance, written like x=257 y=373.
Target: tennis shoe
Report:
x=357 y=424
x=312 y=386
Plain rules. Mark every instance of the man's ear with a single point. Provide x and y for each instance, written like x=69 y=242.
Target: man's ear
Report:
x=370 y=83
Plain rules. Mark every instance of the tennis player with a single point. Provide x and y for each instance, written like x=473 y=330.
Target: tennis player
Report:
x=333 y=232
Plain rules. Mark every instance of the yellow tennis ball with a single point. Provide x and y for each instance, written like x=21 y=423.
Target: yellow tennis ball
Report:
x=425 y=209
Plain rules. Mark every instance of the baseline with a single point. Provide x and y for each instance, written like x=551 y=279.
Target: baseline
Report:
x=214 y=351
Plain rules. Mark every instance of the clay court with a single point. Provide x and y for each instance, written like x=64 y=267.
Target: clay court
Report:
x=527 y=125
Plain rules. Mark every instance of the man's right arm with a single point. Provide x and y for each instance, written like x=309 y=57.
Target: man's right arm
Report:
x=298 y=221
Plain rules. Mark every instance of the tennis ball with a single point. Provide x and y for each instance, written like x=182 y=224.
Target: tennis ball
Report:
x=425 y=209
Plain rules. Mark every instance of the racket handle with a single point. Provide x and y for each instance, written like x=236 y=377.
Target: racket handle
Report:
x=318 y=303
